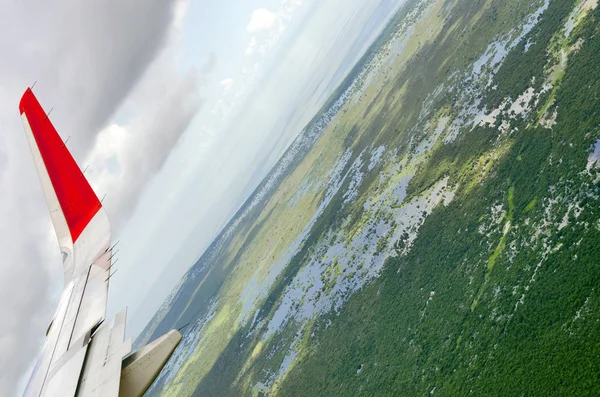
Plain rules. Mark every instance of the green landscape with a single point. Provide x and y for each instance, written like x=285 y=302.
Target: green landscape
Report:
x=434 y=230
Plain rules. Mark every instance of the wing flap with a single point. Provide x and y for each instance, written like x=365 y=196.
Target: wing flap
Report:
x=102 y=370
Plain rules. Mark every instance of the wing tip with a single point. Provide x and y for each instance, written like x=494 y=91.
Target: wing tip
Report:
x=78 y=201
x=26 y=99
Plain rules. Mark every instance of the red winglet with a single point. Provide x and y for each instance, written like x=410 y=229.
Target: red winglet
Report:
x=77 y=200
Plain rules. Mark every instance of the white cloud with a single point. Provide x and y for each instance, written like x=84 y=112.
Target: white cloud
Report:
x=227 y=85
x=290 y=5
x=252 y=46
x=261 y=20
x=179 y=12
x=269 y=26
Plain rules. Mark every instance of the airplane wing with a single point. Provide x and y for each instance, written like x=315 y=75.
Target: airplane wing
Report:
x=83 y=354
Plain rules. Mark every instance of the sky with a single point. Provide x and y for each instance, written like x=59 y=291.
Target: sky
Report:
x=178 y=108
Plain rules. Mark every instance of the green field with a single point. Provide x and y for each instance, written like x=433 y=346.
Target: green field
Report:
x=435 y=230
